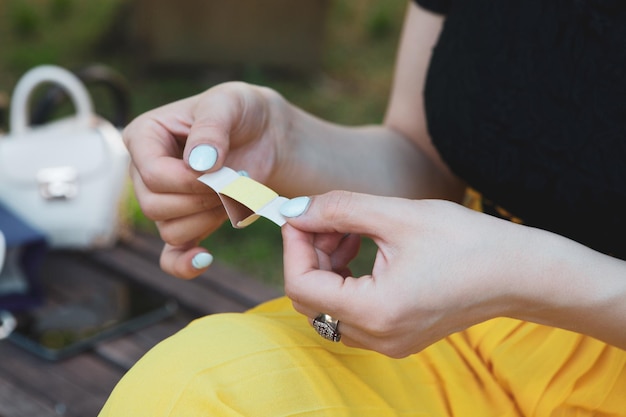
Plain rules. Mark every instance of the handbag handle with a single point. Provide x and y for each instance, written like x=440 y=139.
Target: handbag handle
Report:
x=51 y=74
x=96 y=76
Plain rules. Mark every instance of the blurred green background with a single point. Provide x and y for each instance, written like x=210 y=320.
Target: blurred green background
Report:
x=349 y=82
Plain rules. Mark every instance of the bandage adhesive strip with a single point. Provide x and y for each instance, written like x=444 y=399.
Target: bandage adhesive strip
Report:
x=244 y=199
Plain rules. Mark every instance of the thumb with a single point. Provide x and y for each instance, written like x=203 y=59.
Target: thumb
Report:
x=343 y=212
x=229 y=112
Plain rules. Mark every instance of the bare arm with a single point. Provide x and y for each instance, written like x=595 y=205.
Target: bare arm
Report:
x=394 y=159
x=565 y=284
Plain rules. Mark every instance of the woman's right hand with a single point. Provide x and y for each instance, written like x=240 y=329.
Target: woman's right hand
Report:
x=233 y=124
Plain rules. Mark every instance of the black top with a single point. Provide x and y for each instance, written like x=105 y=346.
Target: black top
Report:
x=526 y=101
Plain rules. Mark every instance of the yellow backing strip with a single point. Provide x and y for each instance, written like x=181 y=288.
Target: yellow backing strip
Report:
x=250 y=193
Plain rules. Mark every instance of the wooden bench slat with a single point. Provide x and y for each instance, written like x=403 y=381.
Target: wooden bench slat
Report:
x=80 y=384
x=151 y=335
x=125 y=351
x=190 y=293
x=122 y=351
x=16 y=402
x=221 y=278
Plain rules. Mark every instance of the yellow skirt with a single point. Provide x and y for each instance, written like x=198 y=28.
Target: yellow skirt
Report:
x=270 y=362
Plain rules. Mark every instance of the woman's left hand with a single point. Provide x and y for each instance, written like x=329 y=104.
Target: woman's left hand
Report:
x=440 y=268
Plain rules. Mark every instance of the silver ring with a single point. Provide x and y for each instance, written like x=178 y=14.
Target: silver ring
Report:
x=327 y=327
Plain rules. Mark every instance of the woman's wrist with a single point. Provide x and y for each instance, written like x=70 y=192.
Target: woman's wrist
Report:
x=279 y=122
x=293 y=146
x=308 y=152
x=565 y=284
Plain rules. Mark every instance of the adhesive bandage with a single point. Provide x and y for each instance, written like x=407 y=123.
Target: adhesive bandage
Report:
x=244 y=199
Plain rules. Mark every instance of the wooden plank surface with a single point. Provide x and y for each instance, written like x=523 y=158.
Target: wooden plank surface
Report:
x=190 y=293
x=79 y=385
x=15 y=402
x=125 y=351
x=221 y=279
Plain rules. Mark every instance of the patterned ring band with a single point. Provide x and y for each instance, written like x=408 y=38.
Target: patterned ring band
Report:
x=327 y=326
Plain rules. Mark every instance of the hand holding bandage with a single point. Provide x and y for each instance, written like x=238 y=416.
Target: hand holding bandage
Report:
x=244 y=199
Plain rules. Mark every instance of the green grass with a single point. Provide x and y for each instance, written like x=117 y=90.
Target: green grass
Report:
x=351 y=87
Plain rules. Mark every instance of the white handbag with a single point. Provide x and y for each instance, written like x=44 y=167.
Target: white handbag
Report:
x=65 y=178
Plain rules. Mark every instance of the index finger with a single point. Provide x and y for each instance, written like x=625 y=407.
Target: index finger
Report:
x=349 y=212
x=305 y=283
x=155 y=141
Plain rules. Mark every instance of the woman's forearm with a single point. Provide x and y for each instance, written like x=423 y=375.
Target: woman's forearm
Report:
x=319 y=156
x=575 y=288
x=395 y=159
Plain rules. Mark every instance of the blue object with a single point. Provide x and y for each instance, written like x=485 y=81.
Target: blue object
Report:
x=30 y=247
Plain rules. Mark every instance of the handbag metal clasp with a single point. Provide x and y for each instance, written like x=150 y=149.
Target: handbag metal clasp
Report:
x=58 y=183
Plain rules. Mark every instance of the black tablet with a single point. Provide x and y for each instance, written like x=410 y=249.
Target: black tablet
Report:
x=84 y=304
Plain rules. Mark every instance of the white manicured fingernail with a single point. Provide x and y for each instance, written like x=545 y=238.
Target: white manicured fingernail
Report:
x=202 y=260
x=202 y=157
x=295 y=207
